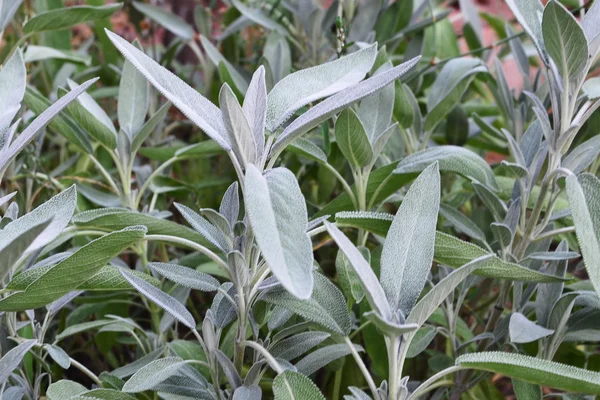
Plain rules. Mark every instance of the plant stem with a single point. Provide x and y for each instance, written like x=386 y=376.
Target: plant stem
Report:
x=362 y=366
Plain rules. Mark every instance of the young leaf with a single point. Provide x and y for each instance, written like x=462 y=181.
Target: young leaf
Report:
x=239 y=132
x=255 y=108
x=566 y=44
x=277 y=212
x=534 y=370
x=63 y=18
x=205 y=228
x=13 y=78
x=450 y=158
x=153 y=373
x=278 y=55
x=58 y=355
x=197 y=108
x=12 y=359
x=163 y=300
x=370 y=284
x=291 y=385
x=528 y=14
x=408 y=250
x=187 y=277
x=248 y=393
x=352 y=139
x=325 y=109
x=583 y=194
x=132 y=105
x=323 y=356
x=311 y=84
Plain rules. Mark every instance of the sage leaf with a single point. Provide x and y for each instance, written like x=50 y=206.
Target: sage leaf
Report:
x=187 y=277
x=63 y=18
x=13 y=78
x=240 y=135
x=153 y=373
x=255 y=108
x=12 y=359
x=522 y=330
x=133 y=101
x=170 y=21
x=408 y=250
x=277 y=213
x=323 y=356
x=291 y=385
x=352 y=139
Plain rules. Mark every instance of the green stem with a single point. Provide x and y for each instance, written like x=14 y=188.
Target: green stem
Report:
x=362 y=366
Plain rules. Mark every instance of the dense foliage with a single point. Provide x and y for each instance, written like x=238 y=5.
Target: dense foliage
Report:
x=297 y=200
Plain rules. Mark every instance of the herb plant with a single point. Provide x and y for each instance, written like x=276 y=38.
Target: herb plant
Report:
x=329 y=202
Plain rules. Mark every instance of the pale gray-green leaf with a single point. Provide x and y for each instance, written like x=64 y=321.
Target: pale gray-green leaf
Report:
x=522 y=330
x=291 y=385
x=12 y=359
x=187 y=277
x=240 y=134
x=352 y=139
x=153 y=373
x=170 y=21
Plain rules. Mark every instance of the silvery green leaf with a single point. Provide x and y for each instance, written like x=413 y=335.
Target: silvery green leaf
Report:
x=461 y=222
x=41 y=53
x=583 y=194
x=149 y=127
x=534 y=370
x=65 y=389
x=347 y=278
x=186 y=276
x=277 y=213
x=61 y=18
x=278 y=54
x=375 y=111
x=13 y=78
x=582 y=156
x=522 y=330
x=471 y=16
x=526 y=391
x=549 y=293
x=566 y=44
x=420 y=341
x=295 y=346
x=223 y=311
x=217 y=59
x=8 y=8
x=326 y=307
x=82 y=327
x=553 y=255
x=229 y=369
x=179 y=293
x=98 y=197
x=230 y=205
x=518 y=51
x=589 y=23
x=308 y=149
x=163 y=300
x=152 y=374
x=240 y=134
x=390 y=328
x=59 y=209
x=450 y=158
x=502 y=92
x=12 y=359
x=255 y=108
x=93 y=108
x=257 y=16
x=279 y=316
x=197 y=108
x=357 y=393
x=325 y=109
x=370 y=284
x=491 y=200
x=290 y=385
x=311 y=84
x=205 y=228
x=43 y=119
x=16 y=248
x=58 y=355
x=14 y=392
x=530 y=142
x=502 y=233
x=5 y=199
x=449 y=86
x=408 y=249
x=323 y=356
x=130 y=369
x=253 y=392
x=132 y=105
x=352 y=139
x=170 y=21
x=528 y=13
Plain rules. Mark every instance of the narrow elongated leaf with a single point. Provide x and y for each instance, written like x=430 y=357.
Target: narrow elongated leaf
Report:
x=370 y=284
x=239 y=132
x=13 y=78
x=63 y=18
x=325 y=109
x=534 y=370
x=163 y=300
x=130 y=369
x=278 y=56
x=584 y=194
x=12 y=359
x=7 y=11
x=8 y=153
x=323 y=356
x=277 y=213
x=408 y=250
x=41 y=53
x=132 y=106
x=15 y=249
x=255 y=108
x=221 y=62
x=461 y=222
x=255 y=15
x=248 y=393
x=153 y=373
x=450 y=158
x=197 y=108
x=591 y=29
x=296 y=345
x=70 y=273
x=352 y=139
x=522 y=330
x=205 y=228
x=187 y=277
x=566 y=44
x=311 y=84
x=326 y=307
x=528 y=14
x=170 y=21
x=291 y=385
